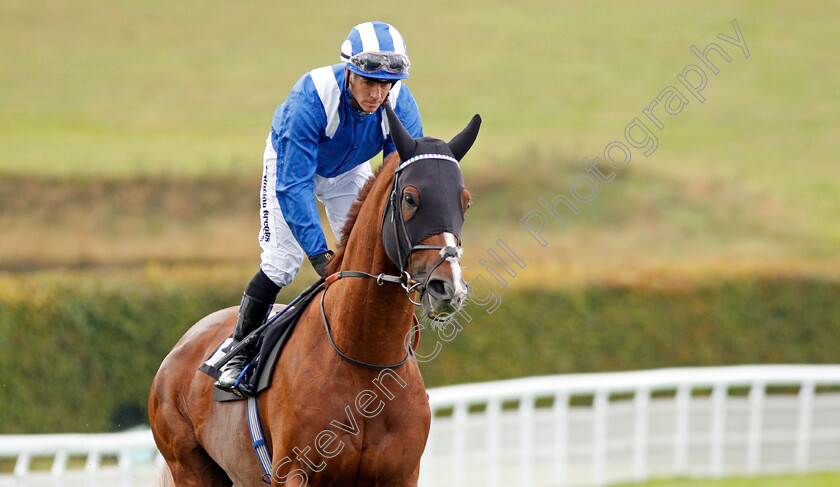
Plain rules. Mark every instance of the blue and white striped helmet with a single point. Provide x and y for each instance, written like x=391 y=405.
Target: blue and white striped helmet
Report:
x=375 y=50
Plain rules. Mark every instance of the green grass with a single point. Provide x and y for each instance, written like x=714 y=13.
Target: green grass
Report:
x=642 y=219
x=174 y=86
x=97 y=88
x=812 y=480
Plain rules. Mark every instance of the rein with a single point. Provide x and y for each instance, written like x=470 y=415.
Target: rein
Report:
x=404 y=281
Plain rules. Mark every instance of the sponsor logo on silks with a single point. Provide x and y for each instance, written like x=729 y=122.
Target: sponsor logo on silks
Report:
x=266 y=231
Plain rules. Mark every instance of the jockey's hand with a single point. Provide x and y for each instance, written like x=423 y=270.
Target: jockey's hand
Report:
x=320 y=261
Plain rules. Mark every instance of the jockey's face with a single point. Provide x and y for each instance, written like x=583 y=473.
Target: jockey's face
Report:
x=368 y=93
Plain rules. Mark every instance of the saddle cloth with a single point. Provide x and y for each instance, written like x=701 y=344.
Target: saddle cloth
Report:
x=258 y=375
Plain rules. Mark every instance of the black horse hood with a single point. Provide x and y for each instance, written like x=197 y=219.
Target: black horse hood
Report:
x=432 y=167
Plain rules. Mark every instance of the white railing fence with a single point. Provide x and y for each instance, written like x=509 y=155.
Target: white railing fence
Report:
x=600 y=429
x=129 y=458
x=565 y=430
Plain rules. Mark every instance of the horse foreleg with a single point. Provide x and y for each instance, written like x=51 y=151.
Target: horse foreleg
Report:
x=189 y=464
x=195 y=468
x=415 y=477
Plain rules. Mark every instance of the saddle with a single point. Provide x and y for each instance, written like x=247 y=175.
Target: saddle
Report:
x=258 y=372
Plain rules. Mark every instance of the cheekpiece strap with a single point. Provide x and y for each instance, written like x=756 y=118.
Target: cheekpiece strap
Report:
x=426 y=156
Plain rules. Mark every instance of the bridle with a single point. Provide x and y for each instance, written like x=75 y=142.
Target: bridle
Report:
x=403 y=242
x=448 y=253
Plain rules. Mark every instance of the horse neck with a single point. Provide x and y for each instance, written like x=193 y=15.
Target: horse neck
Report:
x=370 y=321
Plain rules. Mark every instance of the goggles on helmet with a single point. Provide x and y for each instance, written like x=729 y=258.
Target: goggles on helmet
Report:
x=373 y=62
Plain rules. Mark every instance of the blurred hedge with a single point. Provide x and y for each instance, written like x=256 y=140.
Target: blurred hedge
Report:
x=78 y=350
x=742 y=320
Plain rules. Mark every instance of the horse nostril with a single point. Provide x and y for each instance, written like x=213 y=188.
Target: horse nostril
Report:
x=440 y=289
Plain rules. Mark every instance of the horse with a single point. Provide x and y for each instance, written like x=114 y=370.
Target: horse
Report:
x=346 y=405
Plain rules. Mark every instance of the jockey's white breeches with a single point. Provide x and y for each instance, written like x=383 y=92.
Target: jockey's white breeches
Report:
x=282 y=256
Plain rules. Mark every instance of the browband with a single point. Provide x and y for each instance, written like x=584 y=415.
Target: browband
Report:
x=425 y=156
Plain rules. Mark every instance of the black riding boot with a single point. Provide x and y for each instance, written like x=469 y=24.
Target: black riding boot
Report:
x=252 y=314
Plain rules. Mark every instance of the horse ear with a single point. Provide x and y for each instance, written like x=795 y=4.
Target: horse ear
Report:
x=462 y=142
x=403 y=141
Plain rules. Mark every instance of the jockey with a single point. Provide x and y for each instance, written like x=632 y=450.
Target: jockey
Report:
x=321 y=141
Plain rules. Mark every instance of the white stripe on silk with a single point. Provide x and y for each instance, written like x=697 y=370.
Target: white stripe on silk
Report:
x=370 y=43
x=330 y=95
x=346 y=50
x=399 y=43
x=393 y=95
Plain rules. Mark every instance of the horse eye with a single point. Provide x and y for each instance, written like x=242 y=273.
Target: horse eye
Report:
x=410 y=199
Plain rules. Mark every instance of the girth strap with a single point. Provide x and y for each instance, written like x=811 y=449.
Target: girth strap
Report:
x=258 y=440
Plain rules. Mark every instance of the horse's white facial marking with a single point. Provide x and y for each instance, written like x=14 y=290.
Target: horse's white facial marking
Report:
x=455 y=264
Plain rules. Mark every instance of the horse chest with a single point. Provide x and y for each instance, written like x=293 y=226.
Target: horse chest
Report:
x=374 y=429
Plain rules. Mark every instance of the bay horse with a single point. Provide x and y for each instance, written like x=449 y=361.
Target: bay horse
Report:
x=336 y=414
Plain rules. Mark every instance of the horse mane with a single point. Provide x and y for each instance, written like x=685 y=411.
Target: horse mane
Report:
x=353 y=215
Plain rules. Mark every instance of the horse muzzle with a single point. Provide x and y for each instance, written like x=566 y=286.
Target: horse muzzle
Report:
x=439 y=283
x=442 y=297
